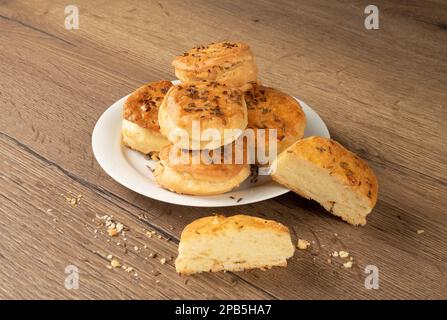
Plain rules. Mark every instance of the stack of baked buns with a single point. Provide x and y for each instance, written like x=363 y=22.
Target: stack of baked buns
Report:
x=219 y=90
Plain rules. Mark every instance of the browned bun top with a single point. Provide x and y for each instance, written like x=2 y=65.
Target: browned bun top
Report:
x=216 y=224
x=201 y=164
x=269 y=108
x=214 y=105
x=218 y=55
x=141 y=107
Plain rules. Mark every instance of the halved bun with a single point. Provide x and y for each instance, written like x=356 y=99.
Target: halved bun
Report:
x=233 y=243
x=323 y=170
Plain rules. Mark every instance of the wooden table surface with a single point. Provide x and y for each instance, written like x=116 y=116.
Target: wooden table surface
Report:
x=381 y=92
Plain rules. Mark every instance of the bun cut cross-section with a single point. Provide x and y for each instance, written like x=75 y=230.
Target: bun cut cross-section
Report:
x=140 y=129
x=323 y=170
x=233 y=243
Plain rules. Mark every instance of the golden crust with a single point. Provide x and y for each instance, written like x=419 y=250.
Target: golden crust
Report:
x=203 y=57
x=187 y=172
x=141 y=107
x=197 y=166
x=341 y=163
x=231 y=63
x=219 y=223
x=269 y=108
x=212 y=105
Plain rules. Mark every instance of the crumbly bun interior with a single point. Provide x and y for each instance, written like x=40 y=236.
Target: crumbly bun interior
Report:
x=233 y=245
x=323 y=170
x=313 y=182
x=142 y=139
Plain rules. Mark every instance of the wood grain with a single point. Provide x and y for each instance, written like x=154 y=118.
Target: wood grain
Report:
x=382 y=94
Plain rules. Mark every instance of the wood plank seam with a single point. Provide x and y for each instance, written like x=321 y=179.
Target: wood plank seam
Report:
x=89 y=185
x=98 y=190
x=37 y=30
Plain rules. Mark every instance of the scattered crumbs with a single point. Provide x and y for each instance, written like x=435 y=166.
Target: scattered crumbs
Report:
x=420 y=231
x=335 y=234
x=113 y=228
x=119 y=227
x=109 y=257
x=135 y=248
x=186 y=281
x=145 y=246
x=335 y=254
x=152 y=170
x=347 y=264
x=149 y=234
x=153 y=155
x=239 y=200
x=112 y=232
x=162 y=260
x=303 y=244
x=343 y=254
x=155 y=273
x=157 y=281
x=72 y=199
x=115 y=263
x=329 y=260
x=49 y=210
x=232 y=197
x=128 y=269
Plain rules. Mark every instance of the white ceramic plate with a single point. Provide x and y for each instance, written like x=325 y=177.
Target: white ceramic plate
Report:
x=129 y=167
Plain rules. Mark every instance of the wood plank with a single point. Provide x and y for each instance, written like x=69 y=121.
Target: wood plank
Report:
x=368 y=86
x=41 y=233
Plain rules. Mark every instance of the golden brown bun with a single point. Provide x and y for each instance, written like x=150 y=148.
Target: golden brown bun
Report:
x=269 y=108
x=140 y=127
x=212 y=105
x=187 y=172
x=323 y=170
x=234 y=243
x=231 y=63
